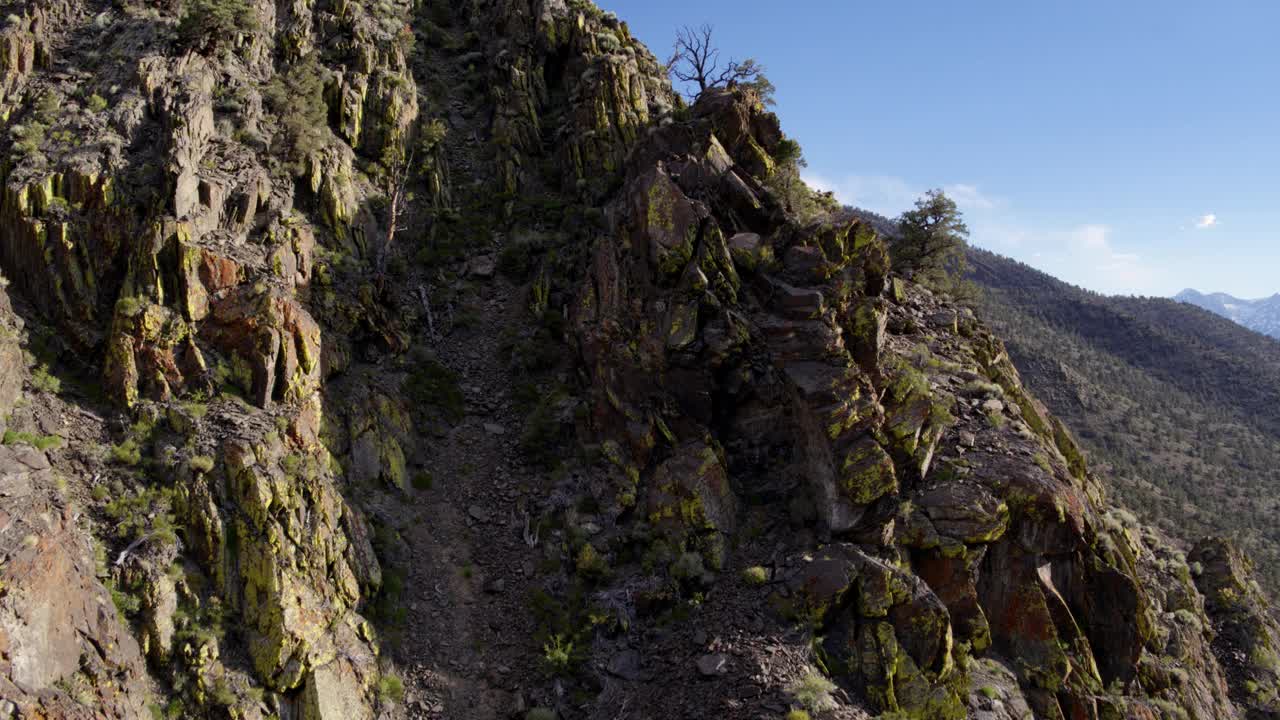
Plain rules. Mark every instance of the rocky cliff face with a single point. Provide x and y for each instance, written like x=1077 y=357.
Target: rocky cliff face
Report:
x=750 y=456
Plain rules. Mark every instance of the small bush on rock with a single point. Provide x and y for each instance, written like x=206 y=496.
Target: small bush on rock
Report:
x=205 y=23
x=296 y=96
x=813 y=691
x=126 y=453
x=390 y=689
x=39 y=442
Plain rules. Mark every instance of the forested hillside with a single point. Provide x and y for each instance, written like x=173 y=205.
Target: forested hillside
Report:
x=1182 y=404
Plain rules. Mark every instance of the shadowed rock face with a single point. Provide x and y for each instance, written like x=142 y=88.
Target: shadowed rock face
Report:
x=1247 y=634
x=945 y=551
x=63 y=649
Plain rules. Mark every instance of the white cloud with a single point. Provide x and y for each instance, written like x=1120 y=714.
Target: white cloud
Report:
x=1092 y=237
x=890 y=195
x=1207 y=221
x=969 y=197
x=882 y=194
x=1096 y=262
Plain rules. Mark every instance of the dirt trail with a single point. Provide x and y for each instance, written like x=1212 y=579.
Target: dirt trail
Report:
x=467 y=563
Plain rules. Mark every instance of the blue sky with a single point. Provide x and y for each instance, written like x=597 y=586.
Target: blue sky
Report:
x=1127 y=146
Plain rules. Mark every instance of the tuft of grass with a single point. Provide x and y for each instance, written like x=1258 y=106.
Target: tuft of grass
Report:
x=44 y=381
x=813 y=691
x=560 y=655
x=222 y=694
x=39 y=442
x=989 y=692
x=390 y=689
x=755 y=575
x=127 y=452
x=797 y=715
x=201 y=463
x=540 y=713
x=590 y=563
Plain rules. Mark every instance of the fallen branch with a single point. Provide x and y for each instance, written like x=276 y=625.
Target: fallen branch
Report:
x=124 y=554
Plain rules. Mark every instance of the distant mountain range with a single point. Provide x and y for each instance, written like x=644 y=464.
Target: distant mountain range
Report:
x=1259 y=315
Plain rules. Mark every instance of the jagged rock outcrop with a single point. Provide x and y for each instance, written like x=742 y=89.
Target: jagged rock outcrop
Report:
x=231 y=239
x=964 y=514
x=176 y=260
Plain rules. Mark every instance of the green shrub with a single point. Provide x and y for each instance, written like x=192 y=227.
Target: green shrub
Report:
x=127 y=452
x=96 y=103
x=201 y=463
x=797 y=715
x=44 y=381
x=222 y=694
x=297 y=98
x=755 y=575
x=127 y=603
x=540 y=437
x=206 y=23
x=146 y=511
x=390 y=689
x=423 y=480
x=560 y=655
x=813 y=691
x=430 y=135
x=590 y=563
x=29 y=137
x=39 y=442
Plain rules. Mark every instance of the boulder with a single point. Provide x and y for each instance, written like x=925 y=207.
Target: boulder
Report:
x=691 y=492
x=883 y=629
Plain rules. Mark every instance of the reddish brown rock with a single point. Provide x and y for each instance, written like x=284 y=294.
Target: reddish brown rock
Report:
x=61 y=639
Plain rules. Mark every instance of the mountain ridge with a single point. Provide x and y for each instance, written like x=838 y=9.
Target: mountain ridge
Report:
x=1260 y=315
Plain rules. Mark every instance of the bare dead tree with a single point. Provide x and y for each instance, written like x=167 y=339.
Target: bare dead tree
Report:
x=397 y=204
x=696 y=59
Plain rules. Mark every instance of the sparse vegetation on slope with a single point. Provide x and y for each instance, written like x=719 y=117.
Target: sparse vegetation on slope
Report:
x=1180 y=406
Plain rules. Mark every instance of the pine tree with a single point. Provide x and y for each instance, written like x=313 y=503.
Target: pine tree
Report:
x=932 y=243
